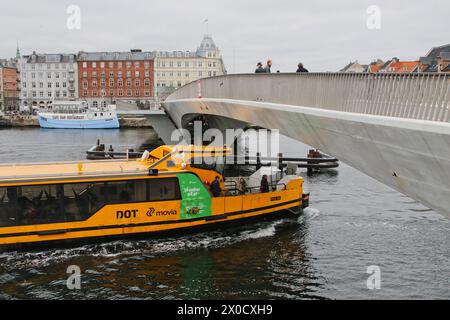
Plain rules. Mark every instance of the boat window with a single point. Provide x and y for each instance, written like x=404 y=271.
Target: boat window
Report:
x=163 y=189
x=81 y=200
x=126 y=191
x=31 y=205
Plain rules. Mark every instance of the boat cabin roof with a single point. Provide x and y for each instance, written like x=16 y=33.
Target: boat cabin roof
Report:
x=82 y=170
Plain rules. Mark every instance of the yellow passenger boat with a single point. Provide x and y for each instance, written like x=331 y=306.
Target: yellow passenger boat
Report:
x=65 y=202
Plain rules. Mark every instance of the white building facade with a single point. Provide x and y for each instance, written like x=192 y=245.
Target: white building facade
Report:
x=174 y=69
x=48 y=77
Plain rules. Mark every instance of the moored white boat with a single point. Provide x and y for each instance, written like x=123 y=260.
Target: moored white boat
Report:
x=78 y=115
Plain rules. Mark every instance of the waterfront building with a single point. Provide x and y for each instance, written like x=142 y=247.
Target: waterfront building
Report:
x=47 y=77
x=174 y=69
x=9 y=85
x=110 y=77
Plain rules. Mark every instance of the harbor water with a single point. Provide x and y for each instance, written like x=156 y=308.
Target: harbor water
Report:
x=353 y=223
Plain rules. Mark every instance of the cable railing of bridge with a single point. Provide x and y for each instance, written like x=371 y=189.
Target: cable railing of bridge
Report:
x=422 y=96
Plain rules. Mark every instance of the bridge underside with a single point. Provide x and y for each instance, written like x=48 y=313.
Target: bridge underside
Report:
x=411 y=156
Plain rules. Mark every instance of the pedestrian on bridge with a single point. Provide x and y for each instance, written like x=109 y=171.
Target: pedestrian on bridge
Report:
x=268 y=66
x=259 y=68
x=301 y=68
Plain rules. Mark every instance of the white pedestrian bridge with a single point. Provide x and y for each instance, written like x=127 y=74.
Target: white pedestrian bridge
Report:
x=393 y=127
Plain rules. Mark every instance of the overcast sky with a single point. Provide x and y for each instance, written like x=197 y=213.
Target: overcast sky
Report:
x=323 y=34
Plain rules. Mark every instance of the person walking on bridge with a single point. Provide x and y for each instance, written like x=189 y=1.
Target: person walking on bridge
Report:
x=259 y=68
x=268 y=66
x=301 y=68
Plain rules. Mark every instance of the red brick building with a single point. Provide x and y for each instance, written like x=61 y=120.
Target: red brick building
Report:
x=9 y=86
x=109 y=77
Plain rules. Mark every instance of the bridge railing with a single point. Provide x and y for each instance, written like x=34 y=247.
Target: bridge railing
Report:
x=424 y=96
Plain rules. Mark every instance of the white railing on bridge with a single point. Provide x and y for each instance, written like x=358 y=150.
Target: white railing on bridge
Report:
x=424 y=96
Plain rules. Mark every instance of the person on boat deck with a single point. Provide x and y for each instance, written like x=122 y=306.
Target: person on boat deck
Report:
x=242 y=186
x=264 y=184
x=215 y=187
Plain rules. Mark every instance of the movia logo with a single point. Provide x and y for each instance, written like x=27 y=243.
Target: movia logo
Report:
x=153 y=212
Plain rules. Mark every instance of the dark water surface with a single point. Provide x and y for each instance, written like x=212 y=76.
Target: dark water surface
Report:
x=353 y=222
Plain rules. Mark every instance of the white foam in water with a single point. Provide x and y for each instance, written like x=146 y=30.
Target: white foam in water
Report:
x=310 y=213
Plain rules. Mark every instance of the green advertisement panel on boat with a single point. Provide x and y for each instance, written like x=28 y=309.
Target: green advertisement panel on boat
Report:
x=196 y=200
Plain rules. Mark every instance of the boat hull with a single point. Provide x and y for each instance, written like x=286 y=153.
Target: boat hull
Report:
x=49 y=123
x=170 y=232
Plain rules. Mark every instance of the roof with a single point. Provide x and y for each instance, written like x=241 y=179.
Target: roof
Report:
x=50 y=58
x=12 y=173
x=444 y=55
x=42 y=172
x=402 y=66
x=116 y=56
x=435 y=51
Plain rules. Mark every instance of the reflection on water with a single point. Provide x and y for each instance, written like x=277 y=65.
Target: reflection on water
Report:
x=353 y=222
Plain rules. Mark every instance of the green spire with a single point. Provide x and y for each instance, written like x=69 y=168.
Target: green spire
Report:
x=17 y=51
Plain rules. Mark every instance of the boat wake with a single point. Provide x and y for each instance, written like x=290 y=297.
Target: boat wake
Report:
x=151 y=247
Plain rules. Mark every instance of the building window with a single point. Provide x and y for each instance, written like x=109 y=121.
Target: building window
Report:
x=94 y=84
x=120 y=93
x=128 y=83
x=49 y=85
x=137 y=83
x=94 y=64
x=128 y=64
x=111 y=64
x=94 y=93
x=64 y=84
x=57 y=84
x=146 y=65
x=147 y=74
x=128 y=74
x=85 y=93
x=129 y=92
x=111 y=74
x=94 y=74
x=111 y=92
x=103 y=92
x=84 y=74
x=119 y=64
x=147 y=82
x=136 y=64
x=136 y=74
x=147 y=93
x=84 y=64
x=120 y=82
x=102 y=64
x=95 y=104
x=85 y=84
x=111 y=82
x=103 y=83
x=137 y=93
